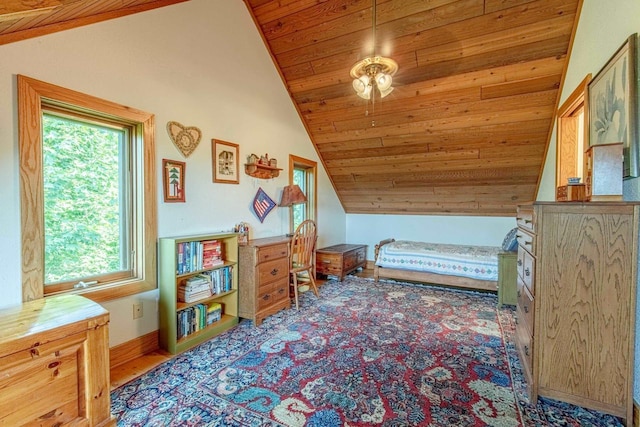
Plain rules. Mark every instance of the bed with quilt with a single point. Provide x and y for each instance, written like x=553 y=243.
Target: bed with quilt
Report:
x=466 y=266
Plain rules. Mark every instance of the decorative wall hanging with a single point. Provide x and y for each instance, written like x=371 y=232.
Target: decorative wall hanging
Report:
x=613 y=106
x=173 y=180
x=185 y=138
x=262 y=204
x=225 y=161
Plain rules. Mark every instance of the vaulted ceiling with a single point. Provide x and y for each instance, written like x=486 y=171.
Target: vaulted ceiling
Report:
x=466 y=127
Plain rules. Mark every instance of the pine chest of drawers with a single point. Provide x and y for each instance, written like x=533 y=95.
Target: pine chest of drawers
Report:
x=264 y=277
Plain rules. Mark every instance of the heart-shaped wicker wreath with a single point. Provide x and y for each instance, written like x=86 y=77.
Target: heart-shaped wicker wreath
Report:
x=185 y=138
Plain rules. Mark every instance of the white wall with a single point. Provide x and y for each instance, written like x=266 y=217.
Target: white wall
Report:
x=464 y=230
x=201 y=63
x=603 y=28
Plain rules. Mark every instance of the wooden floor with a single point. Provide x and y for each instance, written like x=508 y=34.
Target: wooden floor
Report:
x=126 y=372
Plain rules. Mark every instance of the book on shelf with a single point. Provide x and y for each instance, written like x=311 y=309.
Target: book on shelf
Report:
x=221 y=279
x=198 y=255
x=214 y=312
x=195 y=288
x=195 y=318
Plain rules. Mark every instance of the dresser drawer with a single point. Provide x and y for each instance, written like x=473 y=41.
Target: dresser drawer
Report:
x=525 y=306
x=525 y=218
x=528 y=272
x=271 y=271
x=269 y=253
x=272 y=293
x=524 y=344
x=526 y=240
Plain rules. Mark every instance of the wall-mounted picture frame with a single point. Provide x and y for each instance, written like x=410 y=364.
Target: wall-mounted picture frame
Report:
x=225 y=159
x=613 y=105
x=173 y=180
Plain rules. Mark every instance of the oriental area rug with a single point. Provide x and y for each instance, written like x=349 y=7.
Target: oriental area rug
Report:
x=363 y=354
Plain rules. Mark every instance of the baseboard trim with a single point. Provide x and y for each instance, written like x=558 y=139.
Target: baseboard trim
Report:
x=133 y=349
x=636 y=415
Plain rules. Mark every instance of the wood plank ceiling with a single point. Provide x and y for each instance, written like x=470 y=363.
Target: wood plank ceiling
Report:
x=466 y=128
x=23 y=19
x=464 y=131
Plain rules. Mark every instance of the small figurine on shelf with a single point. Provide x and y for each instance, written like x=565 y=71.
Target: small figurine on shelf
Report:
x=252 y=159
x=243 y=229
x=264 y=160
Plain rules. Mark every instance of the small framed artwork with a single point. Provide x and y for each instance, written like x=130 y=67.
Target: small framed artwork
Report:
x=613 y=105
x=225 y=161
x=173 y=180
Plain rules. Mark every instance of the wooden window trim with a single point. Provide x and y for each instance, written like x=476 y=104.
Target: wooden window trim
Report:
x=577 y=100
x=31 y=94
x=312 y=202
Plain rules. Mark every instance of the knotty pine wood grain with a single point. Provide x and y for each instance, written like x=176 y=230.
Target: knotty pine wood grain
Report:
x=452 y=56
x=56 y=348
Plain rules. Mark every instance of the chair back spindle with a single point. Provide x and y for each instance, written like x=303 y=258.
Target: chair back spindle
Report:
x=302 y=249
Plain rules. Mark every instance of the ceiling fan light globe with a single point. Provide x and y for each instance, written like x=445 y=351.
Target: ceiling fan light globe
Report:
x=366 y=94
x=383 y=81
x=360 y=84
x=385 y=92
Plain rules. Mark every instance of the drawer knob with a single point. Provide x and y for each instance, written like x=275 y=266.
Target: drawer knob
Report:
x=520 y=262
x=266 y=297
x=274 y=271
x=519 y=293
x=526 y=350
x=515 y=318
x=527 y=272
x=526 y=308
x=326 y=261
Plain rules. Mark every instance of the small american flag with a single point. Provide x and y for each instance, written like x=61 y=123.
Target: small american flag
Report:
x=262 y=204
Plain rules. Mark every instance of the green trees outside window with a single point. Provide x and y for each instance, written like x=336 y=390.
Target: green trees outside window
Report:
x=85 y=198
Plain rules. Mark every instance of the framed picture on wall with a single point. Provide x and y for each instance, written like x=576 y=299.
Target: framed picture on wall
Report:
x=613 y=105
x=173 y=180
x=225 y=159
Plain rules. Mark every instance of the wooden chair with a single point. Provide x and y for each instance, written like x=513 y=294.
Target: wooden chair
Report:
x=302 y=248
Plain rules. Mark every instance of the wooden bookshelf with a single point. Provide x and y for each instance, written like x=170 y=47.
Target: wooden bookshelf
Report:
x=169 y=282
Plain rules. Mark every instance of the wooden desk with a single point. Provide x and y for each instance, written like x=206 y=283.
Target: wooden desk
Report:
x=264 y=277
x=340 y=260
x=54 y=363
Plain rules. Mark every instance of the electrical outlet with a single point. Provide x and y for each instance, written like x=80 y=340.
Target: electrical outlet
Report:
x=137 y=310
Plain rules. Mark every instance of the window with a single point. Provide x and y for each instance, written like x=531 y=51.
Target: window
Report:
x=303 y=173
x=87 y=194
x=571 y=135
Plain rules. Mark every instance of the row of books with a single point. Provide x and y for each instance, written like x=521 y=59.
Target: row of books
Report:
x=206 y=284
x=198 y=255
x=197 y=317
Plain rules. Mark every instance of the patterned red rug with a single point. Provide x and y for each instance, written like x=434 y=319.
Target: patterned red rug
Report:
x=363 y=354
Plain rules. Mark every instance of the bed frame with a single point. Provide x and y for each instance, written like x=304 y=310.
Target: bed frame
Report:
x=425 y=277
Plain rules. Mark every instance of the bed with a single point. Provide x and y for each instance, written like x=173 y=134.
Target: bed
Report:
x=465 y=266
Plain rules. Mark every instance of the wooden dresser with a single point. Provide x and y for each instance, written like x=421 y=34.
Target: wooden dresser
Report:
x=264 y=277
x=577 y=273
x=54 y=363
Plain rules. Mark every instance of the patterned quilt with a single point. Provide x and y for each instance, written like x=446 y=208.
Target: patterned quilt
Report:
x=476 y=262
